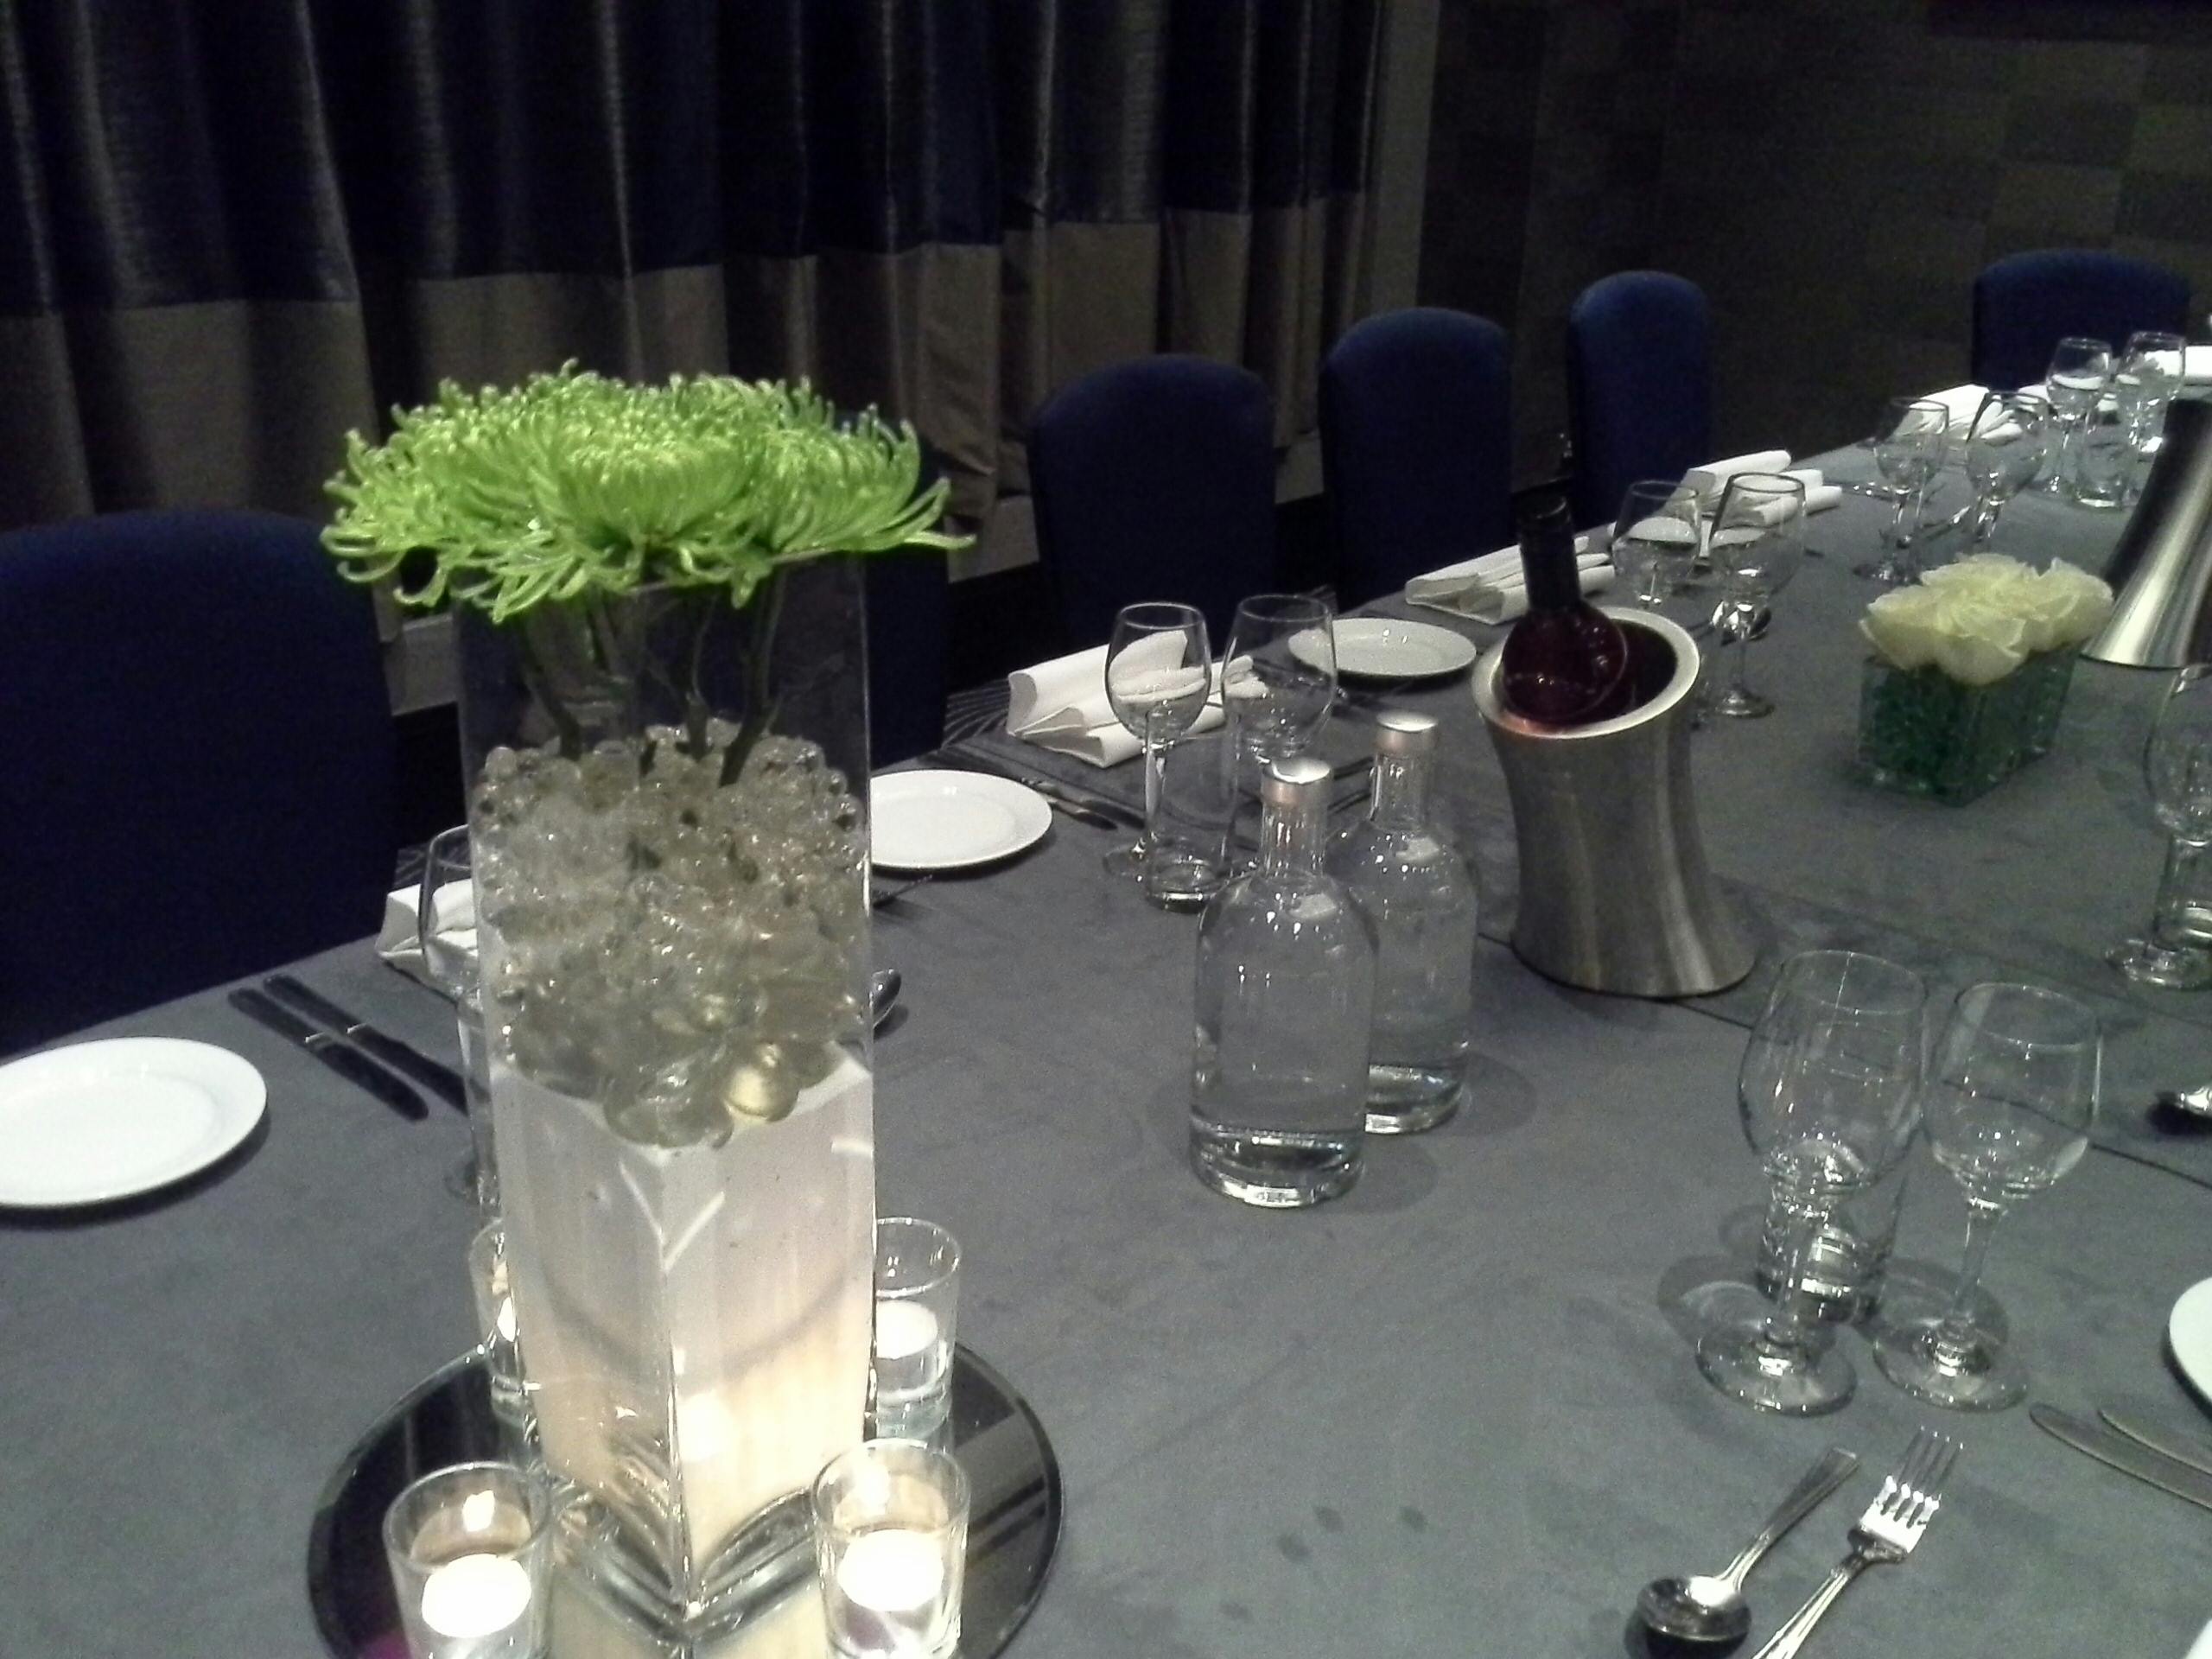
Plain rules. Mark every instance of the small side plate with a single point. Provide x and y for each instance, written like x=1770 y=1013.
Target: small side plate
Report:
x=951 y=820
x=97 y=1121
x=1383 y=648
x=2188 y=1334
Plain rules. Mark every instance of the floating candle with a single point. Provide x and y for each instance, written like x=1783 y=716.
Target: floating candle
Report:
x=892 y=1571
x=475 y=1596
x=903 y=1330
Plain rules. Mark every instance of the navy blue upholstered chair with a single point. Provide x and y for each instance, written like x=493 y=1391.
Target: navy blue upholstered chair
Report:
x=197 y=776
x=1416 y=446
x=909 y=609
x=1639 y=384
x=1155 y=479
x=2024 y=304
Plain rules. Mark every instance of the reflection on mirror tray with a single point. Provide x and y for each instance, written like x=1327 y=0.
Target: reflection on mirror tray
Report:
x=1013 y=1531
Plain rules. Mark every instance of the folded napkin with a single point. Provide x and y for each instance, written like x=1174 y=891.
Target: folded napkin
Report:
x=1820 y=494
x=1708 y=482
x=1062 y=705
x=2195 y=367
x=399 y=940
x=1492 y=588
x=1962 y=404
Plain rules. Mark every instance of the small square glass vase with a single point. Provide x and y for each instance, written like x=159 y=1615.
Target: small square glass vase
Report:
x=1922 y=733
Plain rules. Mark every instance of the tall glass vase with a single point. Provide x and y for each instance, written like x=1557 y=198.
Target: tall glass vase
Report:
x=667 y=829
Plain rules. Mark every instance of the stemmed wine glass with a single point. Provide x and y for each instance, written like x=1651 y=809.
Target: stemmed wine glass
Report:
x=1158 y=673
x=2008 y=1105
x=1756 y=545
x=1908 y=453
x=2147 y=376
x=2079 y=374
x=2005 y=448
x=446 y=921
x=2175 y=950
x=1278 y=682
x=1654 y=541
x=1829 y=1090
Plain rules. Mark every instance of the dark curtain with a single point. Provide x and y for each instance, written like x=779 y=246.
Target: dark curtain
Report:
x=231 y=229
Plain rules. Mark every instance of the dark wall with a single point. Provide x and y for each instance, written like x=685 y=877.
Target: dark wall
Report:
x=1833 y=172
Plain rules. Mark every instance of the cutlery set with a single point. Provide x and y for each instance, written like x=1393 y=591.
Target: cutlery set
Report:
x=370 y=1059
x=1711 y=1611
x=2173 y=1462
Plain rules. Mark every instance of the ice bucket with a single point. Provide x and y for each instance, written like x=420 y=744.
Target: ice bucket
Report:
x=2162 y=567
x=1614 y=894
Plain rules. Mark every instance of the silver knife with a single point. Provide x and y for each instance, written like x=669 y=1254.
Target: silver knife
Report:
x=439 y=1077
x=348 y=1063
x=2182 y=1448
x=2125 y=1455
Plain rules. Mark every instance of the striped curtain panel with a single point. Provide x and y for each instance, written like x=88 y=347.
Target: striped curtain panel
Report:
x=230 y=230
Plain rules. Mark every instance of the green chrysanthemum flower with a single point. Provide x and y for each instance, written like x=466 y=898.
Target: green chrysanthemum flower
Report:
x=572 y=485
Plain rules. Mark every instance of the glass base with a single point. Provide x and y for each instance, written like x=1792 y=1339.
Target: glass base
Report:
x=1178 y=879
x=1409 y=1099
x=1981 y=1379
x=1738 y=702
x=2176 y=968
x=1891 y=570
x=1127 y=862
x=1274 y=1172
x=1744 y=1363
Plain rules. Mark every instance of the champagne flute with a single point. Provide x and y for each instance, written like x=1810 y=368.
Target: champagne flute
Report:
x=2175 y=951
x=1158 y=673
x=2005 y=448
x=2080 y=374
x=1654 y=540
x=1908 y=453
x=1829 y=1091
x=1756 y=545
x=2008 y=1105
x=445 y=912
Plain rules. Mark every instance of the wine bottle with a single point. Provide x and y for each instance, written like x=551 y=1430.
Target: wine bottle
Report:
x=1566 y=662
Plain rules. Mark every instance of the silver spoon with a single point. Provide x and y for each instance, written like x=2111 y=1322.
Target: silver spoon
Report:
x=1713 y=1609
x=882 y=996
x=2197 y=1102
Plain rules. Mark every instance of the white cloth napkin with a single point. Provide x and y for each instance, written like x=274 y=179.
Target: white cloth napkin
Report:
x=399 y=941
x=1708 y=482
x=1492 y=588
x=1963 y=403
x=2196 y=365
x=1061 y=705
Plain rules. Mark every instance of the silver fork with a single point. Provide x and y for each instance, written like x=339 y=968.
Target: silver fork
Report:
x=1884 y=1536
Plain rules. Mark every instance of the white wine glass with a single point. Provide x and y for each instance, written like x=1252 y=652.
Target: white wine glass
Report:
x=1756 y=545
x=2004 y=447
x=1278 y=682
x=1654 y=540
x=1159 y=674
x=2175 y=951
x=2144 y=383
x=2079 y=374
x=1909 y=444
x=2009 y=1102
x=1829 y=1091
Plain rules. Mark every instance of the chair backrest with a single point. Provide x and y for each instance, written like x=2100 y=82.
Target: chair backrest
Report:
x=198 y=776
x=1639 y=384
x=1416 y=446
x=1155 y=479
x=909 y=608
x=2025 y=303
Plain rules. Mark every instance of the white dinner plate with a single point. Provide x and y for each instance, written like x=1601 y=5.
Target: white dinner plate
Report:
x=951 y=820
x=97 y=1122
x=2188 y=1334
x=1383 y=648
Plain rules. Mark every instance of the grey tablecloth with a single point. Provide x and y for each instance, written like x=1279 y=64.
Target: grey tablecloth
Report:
x=2036 y=879
x=1455 y=1413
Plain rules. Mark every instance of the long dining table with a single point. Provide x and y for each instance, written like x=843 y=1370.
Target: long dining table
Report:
x=1456 y=1412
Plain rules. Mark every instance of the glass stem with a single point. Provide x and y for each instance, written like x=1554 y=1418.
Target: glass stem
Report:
x=2179 y=888
x=1155 y=768
x=1742 y=686
x=1787 y=1329
x=1896 y=521
x=1954 y=1339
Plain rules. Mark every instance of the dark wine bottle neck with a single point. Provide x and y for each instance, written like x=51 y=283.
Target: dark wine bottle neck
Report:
x=1547 y=563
